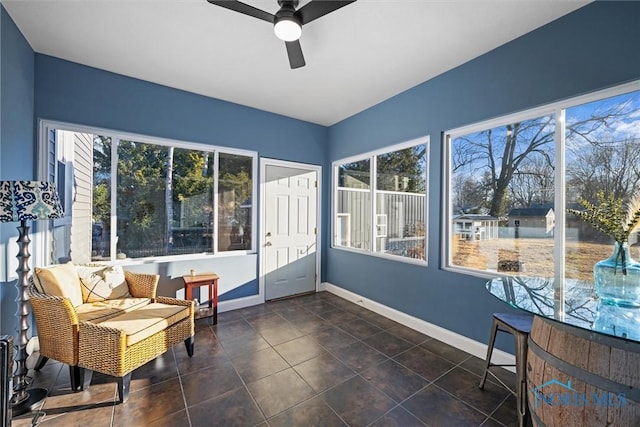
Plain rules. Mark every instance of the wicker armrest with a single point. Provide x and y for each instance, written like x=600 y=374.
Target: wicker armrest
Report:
x=53 y=306
x=176 y=301
x=102 y=348
x=142 y=285
x=57 y=323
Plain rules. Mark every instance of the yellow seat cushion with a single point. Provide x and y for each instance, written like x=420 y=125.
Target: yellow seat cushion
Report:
x=146 y=321
x=102 y=282
x=102 y=310
x=59 y=280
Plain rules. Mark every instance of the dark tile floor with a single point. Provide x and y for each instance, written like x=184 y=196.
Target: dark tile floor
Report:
x=314 y=360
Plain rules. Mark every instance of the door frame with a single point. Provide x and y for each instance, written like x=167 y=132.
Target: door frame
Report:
x=264 y=162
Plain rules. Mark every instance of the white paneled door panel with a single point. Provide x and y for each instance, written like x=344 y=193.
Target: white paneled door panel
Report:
x=290 y=231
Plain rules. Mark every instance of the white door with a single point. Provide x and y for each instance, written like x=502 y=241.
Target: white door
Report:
x=290 y=239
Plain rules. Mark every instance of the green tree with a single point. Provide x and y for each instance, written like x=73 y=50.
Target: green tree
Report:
x=141 y=192
x=165 y=195
x=101 y=180
x=234 y=201
x=402 y=170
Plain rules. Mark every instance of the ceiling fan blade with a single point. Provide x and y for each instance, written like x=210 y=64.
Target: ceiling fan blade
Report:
x=318 y=8
x=294 y=51
x=243 y=8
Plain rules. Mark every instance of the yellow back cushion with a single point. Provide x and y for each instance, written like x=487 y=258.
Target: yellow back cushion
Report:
x=102 y=282
x=60 y=280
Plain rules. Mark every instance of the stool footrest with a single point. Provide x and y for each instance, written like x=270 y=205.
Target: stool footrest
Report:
x=513 y=392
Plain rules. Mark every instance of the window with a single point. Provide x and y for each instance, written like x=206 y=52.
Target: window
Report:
x=602 y=154
x=235 y=195
x=380 y=202
x=502 y=196
x=144 y=197
x=354 y=203
x=511 y=180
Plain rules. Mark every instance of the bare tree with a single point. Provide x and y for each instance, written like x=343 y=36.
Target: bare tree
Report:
x=612 y=167
x=501 y=153
x=469 y=195
x=532 y=184
x=504 y=151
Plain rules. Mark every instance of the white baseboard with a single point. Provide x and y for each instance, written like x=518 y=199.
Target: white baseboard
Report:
x=473 y=347
x=243 y=302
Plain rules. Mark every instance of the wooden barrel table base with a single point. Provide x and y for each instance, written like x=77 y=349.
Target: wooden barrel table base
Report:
x=577 y=377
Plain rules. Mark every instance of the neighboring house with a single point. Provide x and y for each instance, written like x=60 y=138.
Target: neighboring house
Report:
x=532 y=222
x=475 y=227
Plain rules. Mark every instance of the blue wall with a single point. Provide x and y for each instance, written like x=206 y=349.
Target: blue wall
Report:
x=74 y=93
x=592 y=48
x=16 y=148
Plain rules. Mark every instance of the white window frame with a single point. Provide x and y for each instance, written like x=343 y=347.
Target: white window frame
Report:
x=558 y=110
x=381 y=225
x=43 y=171
x=372 y=156
x=343 y=229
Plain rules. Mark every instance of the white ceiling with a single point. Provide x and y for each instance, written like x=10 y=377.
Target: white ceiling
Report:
x=356 y=56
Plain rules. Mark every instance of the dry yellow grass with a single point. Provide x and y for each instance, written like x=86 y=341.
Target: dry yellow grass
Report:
x=537 y=254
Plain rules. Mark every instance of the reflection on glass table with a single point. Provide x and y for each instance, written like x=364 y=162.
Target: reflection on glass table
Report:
x=572 y=302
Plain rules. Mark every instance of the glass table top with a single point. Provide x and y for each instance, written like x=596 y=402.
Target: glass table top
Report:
x=571 y=302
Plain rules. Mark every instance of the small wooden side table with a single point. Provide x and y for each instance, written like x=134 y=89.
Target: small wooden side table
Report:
x=203 y=279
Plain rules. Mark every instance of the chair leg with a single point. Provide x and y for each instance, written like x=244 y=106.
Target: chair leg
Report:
x=492 y=341
x=521 y=379
x=74 y=375
x=189 y=344
x=42 y=360
x=84 y=375
x=124 y=384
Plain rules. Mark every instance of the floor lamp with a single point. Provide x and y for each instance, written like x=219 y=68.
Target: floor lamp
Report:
x=26 y=201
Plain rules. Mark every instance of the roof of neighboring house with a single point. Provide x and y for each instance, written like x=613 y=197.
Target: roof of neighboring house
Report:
x=476 y=217
x=529 y=211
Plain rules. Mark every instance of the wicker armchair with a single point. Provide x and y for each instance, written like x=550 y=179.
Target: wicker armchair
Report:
x=88 y=346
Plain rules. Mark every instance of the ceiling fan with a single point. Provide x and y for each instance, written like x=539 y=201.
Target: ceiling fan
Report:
x=287 y=22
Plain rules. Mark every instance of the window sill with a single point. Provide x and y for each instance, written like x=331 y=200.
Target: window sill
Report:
x=398 y=258
x=177 y=258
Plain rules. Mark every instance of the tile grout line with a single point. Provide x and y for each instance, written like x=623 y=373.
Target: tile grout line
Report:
x=184 y=397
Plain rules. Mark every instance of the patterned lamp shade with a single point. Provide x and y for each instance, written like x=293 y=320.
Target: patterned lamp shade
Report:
x=28 y=200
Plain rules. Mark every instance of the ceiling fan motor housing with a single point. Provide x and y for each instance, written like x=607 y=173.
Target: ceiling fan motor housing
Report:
x=287 y=11
x=293 y=3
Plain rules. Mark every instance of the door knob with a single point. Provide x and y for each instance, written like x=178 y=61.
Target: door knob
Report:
x=268 y=234
x=268 y=244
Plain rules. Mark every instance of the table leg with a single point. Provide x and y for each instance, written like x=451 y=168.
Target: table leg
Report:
x=215 y=301
x=211 y=294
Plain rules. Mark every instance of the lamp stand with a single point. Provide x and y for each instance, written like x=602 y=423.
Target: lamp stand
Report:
x=23 y=399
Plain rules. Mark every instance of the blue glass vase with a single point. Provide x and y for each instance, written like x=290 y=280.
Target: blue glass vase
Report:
x=617 y=278
x=619 y=321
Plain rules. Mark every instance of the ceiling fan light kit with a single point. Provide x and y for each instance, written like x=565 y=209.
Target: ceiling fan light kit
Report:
x=288 y=22
x=287 y=29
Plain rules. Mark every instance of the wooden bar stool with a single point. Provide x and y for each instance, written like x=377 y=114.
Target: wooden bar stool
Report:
x=518 y=325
